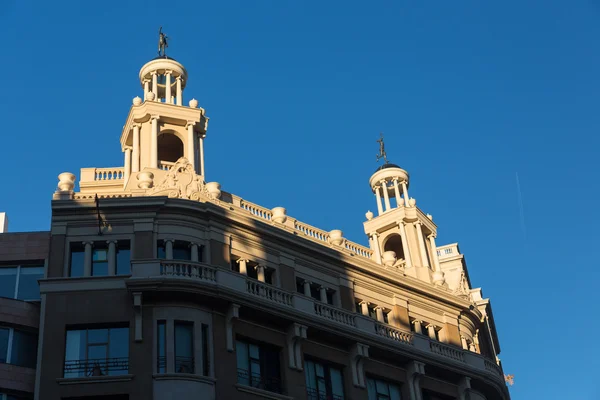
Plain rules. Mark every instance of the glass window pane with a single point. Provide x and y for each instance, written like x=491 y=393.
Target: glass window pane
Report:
x=8 y=280
x=97 y=336
x=337 y=385
x=29 y=288
x=182 y=253
x=382 y=387
x=3 y=344
x=254 y=351
x=241 y=352
x=97 y=352
x=161 y=344
x=395 y=393
x=184 y=347
x=371 y=389
x=24 y=349
x=118 y=344
x=77 y=260
x=75 y=352
x=100 y=255
x=309 y=374
x=123 y=262
x=160 y=250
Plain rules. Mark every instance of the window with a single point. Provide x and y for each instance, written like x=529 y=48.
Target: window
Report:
x=315 y=290
x=205 y=354
x=251 y=270
x=99 y=261
x=161 y=342
x=181 y=250
x=18 y=347
x=323 y=382
x=77 y=260
x=96 y=352
x=258 y=366
x=123 y=258
x=21 y=282
x=184 y=347
x=382 y=390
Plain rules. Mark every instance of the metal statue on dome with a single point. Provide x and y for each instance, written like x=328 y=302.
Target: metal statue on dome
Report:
x=162 y=43
x=382 y=153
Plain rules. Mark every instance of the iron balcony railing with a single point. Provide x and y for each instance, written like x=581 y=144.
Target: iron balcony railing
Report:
x=96 y=367
x=268 y=383
x=314 y=394
x=184 y=365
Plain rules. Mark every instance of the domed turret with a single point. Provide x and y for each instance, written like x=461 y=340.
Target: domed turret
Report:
x=390 y=182
x=164 y=77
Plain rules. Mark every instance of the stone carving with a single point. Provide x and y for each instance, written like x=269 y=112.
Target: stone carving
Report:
x=463 y=286
x=181 y=182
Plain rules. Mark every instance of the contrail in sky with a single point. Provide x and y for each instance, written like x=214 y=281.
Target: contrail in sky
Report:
x=521 y=210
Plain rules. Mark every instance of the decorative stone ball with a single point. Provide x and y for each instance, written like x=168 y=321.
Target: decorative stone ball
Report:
x=412 y=202
x=279 y=215
x=194 y=103
x=150 y=96
x=137 y=100
x=369 y=215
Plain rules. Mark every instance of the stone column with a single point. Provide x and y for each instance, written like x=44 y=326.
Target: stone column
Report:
x=380 y=316
x=375 y=239
x=364 y=308
x=190 y=142
x=112 y=257
x=169 y=249
x=436 y=260
x=307 y=289
x=323 y=294
x=146 y=87
x=418 y=328
x=136 y=149
x=155 y=85
x=168 y=86
x=87 y=260
x=201 y=154
x=397 y=192
x=154 y=142
x=179 y=92
x=464 y=344
x=386 y=196
x=243 y=266
x=472 y=347
x=260 y=273
x=405 y=245
x=378 y=197
x=194 y=251
x=405 y=191
x=425 y=262
x=431 y=331
x=127 y=166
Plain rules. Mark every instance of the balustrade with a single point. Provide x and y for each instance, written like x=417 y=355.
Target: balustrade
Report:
x=256 y=210
x=335 y=314
x=109 y=174
x=188 y=270
x=394 y=334
x=447 y=351
x=492 y=367
x=268 y=292
x=312 y=232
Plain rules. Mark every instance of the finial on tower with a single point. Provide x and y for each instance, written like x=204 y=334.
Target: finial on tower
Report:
x=162 y=43
x=381 y=149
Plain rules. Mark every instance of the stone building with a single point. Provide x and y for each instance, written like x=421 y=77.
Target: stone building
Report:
x=160 y=285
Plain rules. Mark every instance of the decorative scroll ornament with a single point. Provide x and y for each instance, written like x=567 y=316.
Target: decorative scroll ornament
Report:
x=181 y=182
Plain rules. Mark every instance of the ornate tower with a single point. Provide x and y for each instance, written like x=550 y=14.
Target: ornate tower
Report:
x=160 y=130
x=401 y=236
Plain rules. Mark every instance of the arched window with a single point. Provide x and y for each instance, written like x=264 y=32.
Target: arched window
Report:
x=170 y=147
x=394 y=243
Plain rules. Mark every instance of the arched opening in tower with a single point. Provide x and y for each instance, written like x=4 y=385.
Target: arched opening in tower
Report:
x=170 y=147
x=394 y=243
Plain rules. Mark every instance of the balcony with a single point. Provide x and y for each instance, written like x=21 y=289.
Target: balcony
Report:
x=233 y=285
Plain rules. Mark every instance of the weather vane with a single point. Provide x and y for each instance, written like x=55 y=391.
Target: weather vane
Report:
x=381 y=150
x=162 y=43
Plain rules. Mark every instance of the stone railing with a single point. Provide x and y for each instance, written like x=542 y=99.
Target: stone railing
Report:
x=394 y=334
x=312 y=232
x=256 y=210
x=492 y=367
x=447 y=351
x=335 y=314
x=109 y=174
x=299 y=306
x=165 y=165
x=358 y=249
x=449 y=250
x=183 y=269
x=268 y=292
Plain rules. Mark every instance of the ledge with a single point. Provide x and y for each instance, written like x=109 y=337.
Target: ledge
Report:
x=263 y=393
x=184 y=377
x=95 y=379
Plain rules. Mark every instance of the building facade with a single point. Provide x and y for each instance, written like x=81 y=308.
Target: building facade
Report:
x=160 y=285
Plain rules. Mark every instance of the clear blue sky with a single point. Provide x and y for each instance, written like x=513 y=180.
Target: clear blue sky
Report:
x=467 y=93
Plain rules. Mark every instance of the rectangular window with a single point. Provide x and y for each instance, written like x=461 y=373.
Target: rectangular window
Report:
x=4 y=334
x=76 y=261
x=24 y=349
x=323 y=382
x=182 y=251
x=99 y=261
x=205 y=353
x=123 y=258
x=161 y=252
x=382 y=390
x=300 y=285
x=21 y=282
x=161 y=343
x=184 y=347
x=96 y=352
x=258 y=366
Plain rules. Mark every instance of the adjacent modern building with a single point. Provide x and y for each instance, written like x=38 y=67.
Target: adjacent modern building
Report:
x=155 y=283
